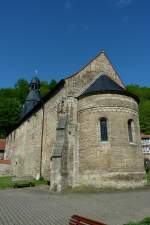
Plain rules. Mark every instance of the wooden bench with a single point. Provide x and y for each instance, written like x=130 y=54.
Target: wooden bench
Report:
x=78 y=220
x=23 y=181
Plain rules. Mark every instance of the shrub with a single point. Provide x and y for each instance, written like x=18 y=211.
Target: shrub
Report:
x=147 y=164
x=21 y=183
x=5 y=182
x=146 y=221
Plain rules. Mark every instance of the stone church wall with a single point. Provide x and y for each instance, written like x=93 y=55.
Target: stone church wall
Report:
x=49 y=134
x=5 y=167
x=23 y=147
x=24 y=144
x=103 y=163
x=83 y=158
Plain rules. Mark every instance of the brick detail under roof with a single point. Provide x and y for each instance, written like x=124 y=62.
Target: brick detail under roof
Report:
x=145 y=136
x=2 y=144
x=5 y=161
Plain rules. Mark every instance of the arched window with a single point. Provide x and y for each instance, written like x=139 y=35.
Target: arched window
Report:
x=103 y=129
x=130 y=130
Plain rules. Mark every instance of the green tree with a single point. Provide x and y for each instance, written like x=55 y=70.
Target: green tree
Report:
x=52 y=84
x=11 y=101
x=44 y=88
x=144 y=112
x=144 y=107
x=21 y=89
x=9 y=114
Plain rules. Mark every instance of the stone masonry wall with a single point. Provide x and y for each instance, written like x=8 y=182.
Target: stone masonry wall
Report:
x=23 y=147
x=49 y=135
x=4 y=167
x=101 y=163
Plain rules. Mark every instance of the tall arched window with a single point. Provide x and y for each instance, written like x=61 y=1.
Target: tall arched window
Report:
x=130 y=130
x=103 y=129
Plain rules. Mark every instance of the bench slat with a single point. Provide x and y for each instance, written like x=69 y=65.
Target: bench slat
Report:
x=78 y=220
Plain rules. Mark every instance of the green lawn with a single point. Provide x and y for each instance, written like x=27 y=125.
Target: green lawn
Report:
x=6 y=182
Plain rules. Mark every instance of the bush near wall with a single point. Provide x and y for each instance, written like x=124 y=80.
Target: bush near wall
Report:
x=6 y=182
x=146 y=221
x=147 y=168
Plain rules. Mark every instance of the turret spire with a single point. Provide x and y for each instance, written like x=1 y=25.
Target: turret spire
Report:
x=33 y=98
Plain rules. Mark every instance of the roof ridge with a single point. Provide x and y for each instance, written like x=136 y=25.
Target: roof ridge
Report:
x=85 y=65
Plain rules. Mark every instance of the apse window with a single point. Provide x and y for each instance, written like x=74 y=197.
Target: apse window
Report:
x=103 y=129
x=130 y=130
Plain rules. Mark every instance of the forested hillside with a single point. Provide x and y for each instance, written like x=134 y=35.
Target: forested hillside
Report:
x=11 y=100
x=144 y=107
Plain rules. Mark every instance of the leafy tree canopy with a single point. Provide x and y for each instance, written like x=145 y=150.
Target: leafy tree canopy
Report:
x=11 y=101
x=144 y=107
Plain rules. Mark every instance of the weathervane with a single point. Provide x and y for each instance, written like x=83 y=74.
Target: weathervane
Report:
x=36 y=72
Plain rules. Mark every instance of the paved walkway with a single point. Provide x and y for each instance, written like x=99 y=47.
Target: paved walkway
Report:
x=36 y=206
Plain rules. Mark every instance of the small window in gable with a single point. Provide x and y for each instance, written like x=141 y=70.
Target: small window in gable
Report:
x=103 y=129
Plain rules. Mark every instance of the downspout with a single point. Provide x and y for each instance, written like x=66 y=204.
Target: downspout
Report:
x=42 y=136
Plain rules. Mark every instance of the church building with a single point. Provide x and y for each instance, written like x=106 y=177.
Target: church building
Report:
x=85 y=132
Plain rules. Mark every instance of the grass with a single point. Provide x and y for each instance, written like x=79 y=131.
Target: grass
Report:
x=145 y=221
x=39 y=182
x=6 y=182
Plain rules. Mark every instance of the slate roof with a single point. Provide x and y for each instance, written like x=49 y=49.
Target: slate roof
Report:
x=2 y=144
x=33 y=98
x=35 y=80
x=103 y=85
x=39 y=105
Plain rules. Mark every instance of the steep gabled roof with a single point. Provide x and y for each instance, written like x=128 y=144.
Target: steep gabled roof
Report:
x=90 y=63
x=105 y=85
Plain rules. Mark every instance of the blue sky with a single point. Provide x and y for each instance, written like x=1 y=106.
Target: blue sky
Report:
x=57 y=37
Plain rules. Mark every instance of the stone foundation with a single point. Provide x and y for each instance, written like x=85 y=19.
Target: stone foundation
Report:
x=4 y=167
x=114 y=180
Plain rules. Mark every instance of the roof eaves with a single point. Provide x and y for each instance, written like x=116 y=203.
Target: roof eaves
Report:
x=126 y=93
x=114 y=68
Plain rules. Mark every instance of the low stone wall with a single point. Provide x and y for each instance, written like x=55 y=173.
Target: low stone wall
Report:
x=5 y=167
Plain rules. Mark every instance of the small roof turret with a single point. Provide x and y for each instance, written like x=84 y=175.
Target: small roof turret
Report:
x=35 y=81
x=33 y=98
